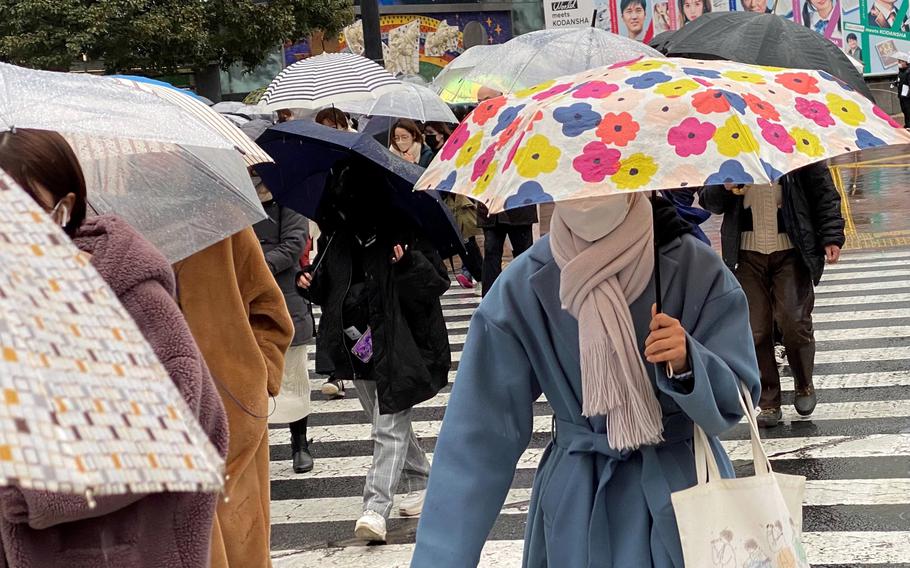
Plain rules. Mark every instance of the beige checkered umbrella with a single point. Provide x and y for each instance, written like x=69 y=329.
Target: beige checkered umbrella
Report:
x=85 y=406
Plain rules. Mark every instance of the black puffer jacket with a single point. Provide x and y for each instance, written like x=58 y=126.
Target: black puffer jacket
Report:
x=810 y=216
x=514 y=217
x=282 y=237
x=358 y=285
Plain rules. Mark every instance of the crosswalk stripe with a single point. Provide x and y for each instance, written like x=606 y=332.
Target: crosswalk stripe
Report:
x=834 y=548
x=430 y=428
x=877 y=274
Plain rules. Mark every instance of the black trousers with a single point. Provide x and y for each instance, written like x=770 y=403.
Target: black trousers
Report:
x=779 y=289
x=520 y=236
x=473 y=260
x=905 y=108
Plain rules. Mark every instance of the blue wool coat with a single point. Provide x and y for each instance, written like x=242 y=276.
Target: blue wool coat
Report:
x=591 y=506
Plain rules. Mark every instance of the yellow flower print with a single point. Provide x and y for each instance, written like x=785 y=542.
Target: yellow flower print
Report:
x=649 y=65
x=744 y=77
x=807 y=143
x=531 y=91
x=677 y=88
x=734 y=138
x=537 y=157
x=846 y=110
x=770 y=68
x=635 y=172
x=469 y=150
x=483 y=182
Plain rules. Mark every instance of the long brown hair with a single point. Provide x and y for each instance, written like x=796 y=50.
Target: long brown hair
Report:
x=42 y=158
x=335 y=115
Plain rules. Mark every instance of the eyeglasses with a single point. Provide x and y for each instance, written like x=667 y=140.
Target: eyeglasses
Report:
x=404 y=138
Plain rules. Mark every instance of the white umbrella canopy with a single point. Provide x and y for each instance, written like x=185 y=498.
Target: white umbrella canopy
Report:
x=87 y=407
x=174 y=178
x=537 y=57
x=330 y=78
x=412 y=101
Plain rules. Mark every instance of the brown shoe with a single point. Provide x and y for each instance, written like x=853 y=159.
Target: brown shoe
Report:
x=805 y=401
x=769 y=418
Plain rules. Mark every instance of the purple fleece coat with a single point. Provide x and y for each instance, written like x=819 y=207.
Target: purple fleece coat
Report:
x=167 y=530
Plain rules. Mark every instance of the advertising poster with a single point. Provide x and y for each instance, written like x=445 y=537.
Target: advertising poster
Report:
x=874 y=30
x=783 y=8
x=422 y=45
x=562 y=14
x=635 y=20
x=822 y=16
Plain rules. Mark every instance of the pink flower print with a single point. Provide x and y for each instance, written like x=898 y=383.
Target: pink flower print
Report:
x=884 y=116
x=596 y=162
x=483 y=162
x=552 y=92
x=456 y=141
x=691 y=137
x=815 y=111
x=622 y=64
x=777 y=136
x=594 y=90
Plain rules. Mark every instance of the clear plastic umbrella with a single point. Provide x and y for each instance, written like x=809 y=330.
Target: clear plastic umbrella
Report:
x=169 y=174
x=412 y=101
x=541 y=56
x=450 y=84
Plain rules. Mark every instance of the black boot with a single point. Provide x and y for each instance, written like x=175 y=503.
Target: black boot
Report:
x=300 y=447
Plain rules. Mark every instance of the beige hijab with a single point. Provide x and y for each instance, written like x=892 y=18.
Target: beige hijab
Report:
x=598 y=282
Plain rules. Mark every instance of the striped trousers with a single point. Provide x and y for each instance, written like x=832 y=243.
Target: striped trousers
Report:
x=396 y=453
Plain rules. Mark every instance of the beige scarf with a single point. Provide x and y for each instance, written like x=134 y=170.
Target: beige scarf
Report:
x=412 y=155
x=599 y=280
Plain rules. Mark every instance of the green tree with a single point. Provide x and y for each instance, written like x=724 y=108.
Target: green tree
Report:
x=159 y=35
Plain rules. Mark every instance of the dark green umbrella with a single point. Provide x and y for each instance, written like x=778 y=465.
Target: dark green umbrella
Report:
x=760 y=39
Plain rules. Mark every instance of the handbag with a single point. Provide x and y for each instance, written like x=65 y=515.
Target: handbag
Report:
x=750 y=522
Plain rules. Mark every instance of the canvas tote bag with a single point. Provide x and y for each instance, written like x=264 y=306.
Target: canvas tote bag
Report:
x=751 y=522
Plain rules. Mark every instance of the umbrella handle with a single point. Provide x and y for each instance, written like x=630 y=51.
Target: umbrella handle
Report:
x=658 y=297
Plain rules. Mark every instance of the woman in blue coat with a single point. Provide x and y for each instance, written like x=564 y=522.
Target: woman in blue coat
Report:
x=592 y=505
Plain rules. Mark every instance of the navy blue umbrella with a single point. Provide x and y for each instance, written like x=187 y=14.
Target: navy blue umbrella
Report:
x=305 y=153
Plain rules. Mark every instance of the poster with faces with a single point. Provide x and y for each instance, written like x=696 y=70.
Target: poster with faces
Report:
x=635 y=18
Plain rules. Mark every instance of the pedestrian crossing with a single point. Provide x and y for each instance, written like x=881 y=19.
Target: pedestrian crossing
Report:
x=854 y=450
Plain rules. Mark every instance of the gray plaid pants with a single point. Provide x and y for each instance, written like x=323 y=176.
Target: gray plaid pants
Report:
x=396 y=452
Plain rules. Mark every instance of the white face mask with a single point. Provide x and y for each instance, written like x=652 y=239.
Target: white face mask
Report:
x=64 y=217
x=594 y=218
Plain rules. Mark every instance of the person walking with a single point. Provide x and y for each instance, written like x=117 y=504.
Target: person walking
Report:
x=283 y=236
x=584 y=294
x=517 y=225
x=776 y=239
x=238 y=316
x=407 y=143
x=464 y=210
x=379 y=285
x=40 y=529
x=903 y=86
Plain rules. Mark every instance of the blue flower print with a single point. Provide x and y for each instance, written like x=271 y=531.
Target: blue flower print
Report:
x=529 y=193
x=506 y=118
x=771 y=172
x=576 y=119
x=735 y=101
x=865 y=139
x=730 y=171
x=447 y=184
x=706 y=73
x=648 y=80
x=832 y=78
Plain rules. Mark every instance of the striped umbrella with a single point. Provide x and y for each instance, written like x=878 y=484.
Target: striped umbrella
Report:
x=251 y=152
x=327 y=79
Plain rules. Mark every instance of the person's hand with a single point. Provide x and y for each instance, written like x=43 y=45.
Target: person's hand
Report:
x=304 y=280
x=832 y=254
x=667 y=342
x=397 y=253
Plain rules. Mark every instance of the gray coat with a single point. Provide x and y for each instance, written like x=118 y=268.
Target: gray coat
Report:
x=282 y=237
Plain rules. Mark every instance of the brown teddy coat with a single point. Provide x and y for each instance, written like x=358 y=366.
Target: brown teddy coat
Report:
x=238 y=316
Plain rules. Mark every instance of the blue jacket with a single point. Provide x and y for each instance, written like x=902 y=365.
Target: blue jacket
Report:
x=591 y=505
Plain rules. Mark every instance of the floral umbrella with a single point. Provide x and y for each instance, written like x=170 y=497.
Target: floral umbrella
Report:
x=652 y=124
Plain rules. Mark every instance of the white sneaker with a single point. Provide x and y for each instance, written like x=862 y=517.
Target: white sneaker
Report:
x=412 y=504
x=371 y=527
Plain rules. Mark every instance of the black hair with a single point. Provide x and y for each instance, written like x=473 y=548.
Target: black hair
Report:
x=851 y=36
x=626 y=3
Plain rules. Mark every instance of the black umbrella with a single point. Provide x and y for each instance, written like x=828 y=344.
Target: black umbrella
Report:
x=760 y=39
